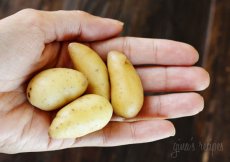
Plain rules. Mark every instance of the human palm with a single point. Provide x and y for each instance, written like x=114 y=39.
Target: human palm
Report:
x=31 y=41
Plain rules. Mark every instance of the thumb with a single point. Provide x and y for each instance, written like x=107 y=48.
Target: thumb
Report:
x=66 y=25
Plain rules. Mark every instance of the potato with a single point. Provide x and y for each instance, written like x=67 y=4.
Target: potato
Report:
x=89 y=63
x=127 y=94
x=85 y=115
x=53 y=88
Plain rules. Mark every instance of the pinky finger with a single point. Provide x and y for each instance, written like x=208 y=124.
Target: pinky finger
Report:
x=117 y=133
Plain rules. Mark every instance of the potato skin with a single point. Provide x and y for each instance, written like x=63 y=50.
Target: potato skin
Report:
x=53 y=88
x=127 y=94
x=84 y=115
x=92 y=66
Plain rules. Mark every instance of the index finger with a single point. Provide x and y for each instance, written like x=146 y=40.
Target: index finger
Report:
x=149 y=51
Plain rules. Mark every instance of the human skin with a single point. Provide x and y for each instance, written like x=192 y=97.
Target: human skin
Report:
x=32 y=40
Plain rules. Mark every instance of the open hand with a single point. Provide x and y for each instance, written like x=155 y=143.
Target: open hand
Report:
x=31 y=41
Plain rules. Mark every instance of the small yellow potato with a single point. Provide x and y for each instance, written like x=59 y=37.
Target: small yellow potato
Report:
x=127 y=94
x=89 y=63
x=84 y=115
x=53 y=88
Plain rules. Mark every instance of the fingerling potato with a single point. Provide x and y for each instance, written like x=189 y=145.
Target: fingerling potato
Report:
x=92 y=66
x=84 y=115
x=127 y=94
x=53 y=88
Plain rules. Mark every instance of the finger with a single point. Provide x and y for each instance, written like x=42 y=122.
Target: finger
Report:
x=165 y=79
x=116 y=133
x=149 y=51
x=168 y=106
x=66 y=25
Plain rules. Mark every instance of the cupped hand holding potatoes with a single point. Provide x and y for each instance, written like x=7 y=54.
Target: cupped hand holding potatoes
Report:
x=24 y=54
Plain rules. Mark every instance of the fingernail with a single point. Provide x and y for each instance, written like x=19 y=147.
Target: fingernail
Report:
x=173 y=132
x=205 y=82
x=116 y=21
x=121 y=23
